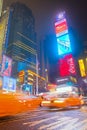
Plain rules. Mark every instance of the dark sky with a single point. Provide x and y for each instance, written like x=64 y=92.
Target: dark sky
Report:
x=45 y=13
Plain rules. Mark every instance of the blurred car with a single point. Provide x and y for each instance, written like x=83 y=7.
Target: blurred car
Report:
x=13 y=103
x=85 y=100
x=62 y=101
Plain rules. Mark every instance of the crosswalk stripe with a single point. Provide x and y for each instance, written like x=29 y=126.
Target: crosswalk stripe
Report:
x=62 y=120
x=39 y=121
x=60 y=124
x=81 y=125
x=71 y=124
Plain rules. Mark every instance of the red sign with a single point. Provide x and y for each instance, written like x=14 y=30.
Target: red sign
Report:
x=61 y=27
x=67 y=66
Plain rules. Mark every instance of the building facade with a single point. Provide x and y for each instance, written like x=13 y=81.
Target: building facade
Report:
x=21 y=46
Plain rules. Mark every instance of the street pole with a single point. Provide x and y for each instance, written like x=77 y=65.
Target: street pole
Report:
x=36 y=75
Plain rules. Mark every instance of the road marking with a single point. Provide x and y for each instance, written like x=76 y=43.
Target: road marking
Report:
x=24 y=118
x=71 y=124
x=61 y=121
x=82 y=125
x=39 y=121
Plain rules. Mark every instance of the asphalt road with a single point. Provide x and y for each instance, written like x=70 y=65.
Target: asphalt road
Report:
x=47 y=119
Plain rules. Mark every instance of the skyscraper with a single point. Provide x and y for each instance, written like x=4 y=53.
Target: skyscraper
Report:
x=21 y=45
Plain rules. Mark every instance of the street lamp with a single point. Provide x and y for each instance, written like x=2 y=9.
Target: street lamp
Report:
x=36 y=75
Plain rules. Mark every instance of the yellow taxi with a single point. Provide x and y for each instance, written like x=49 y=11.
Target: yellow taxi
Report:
x=64 y=100
x=13 y=103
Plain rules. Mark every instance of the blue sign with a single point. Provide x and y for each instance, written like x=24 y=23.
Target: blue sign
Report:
x=64 y=46
x=9 y=84
x=21 y=66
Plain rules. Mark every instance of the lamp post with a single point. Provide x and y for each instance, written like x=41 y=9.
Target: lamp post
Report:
x=36 y=75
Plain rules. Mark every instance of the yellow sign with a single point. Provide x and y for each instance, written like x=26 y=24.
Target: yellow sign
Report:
x=82 y=67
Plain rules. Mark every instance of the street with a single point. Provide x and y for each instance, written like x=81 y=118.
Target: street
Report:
x=47 y=119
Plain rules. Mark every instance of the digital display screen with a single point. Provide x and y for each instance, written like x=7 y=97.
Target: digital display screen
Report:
x=82 y=68
x=6 y=66
x=61 y=28
x=67 y=66
x=21 y=66
x=9 y=84
x=64 y=46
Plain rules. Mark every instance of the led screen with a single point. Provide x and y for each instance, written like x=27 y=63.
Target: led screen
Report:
x=21 y=66
x=82 y=68
x=3 y=25
x=61 y=28
x=64 y=46
x=9 y=84
x=67 y=66
x=6 y=66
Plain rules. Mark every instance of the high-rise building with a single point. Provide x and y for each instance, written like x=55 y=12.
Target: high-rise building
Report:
x=21 y=45
x=47 y=57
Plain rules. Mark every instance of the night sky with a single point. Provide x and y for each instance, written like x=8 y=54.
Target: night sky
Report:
x=45 y=13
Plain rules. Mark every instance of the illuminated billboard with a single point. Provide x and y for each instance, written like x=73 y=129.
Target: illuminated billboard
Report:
x=3 y=32
x=21 y=66
x=21 y=76
x=1 y=4
x=64 y=46
x=61 y=27
x=9 y=84
x=6 y=66
x=82 y=68
x=67 y=66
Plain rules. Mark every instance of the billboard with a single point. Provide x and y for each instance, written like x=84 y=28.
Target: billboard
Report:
x=3 y=32
x=21 y=75
x=82 y=68
x=67 y=66
x=21 y=66
x=0 y=82
x=6 y=66
x=64 y=46
x=1 y=4
x=9 y=84
x=61 y=27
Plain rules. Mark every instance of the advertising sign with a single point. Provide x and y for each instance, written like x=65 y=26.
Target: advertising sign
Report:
x=3 y=32
x=9 y=84
x=0 y=82
x=61 y=27
x=21 y=76
x=64 y=46
x=82 y=68
x=67 y=66
x=21 y=66
x=6 y=66
x=1 y=4
x=62 y=80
